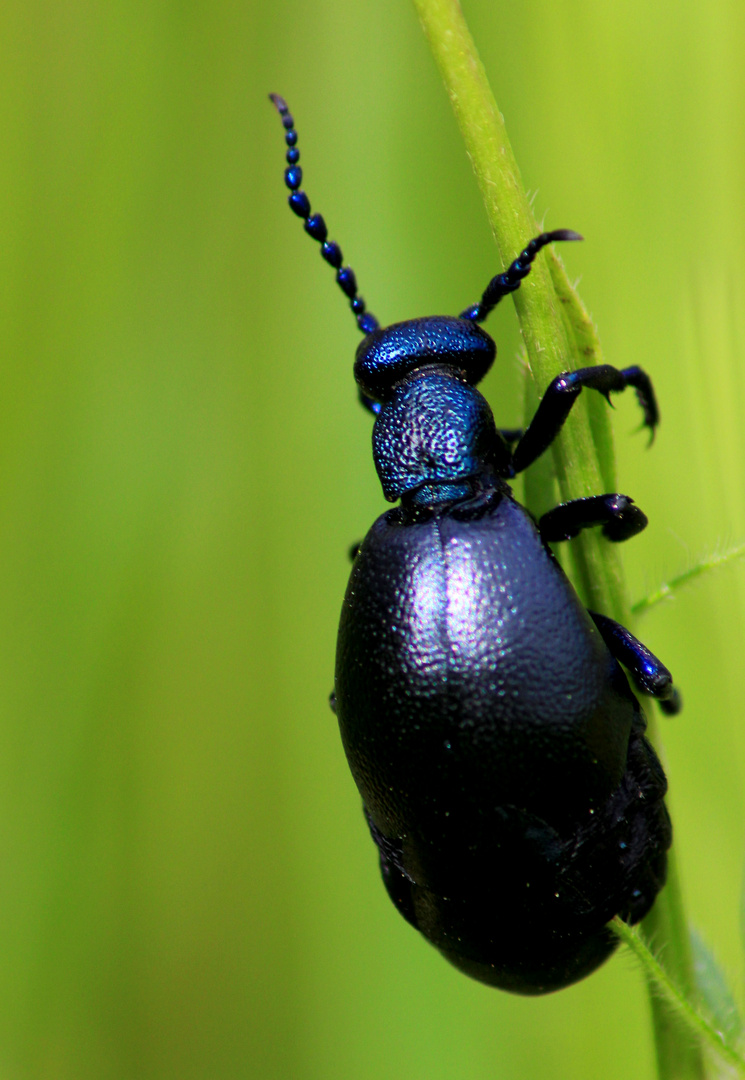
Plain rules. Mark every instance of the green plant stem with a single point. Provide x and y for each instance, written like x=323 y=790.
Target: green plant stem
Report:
x=547 y=320
x=678 y=1055
x=677 y=1000
x=558 y=336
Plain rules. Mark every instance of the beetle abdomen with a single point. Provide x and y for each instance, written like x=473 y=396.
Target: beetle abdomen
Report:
x=497 y=747
x=464 y=654
x=531 y=917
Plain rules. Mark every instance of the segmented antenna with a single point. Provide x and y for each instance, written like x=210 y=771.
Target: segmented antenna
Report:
x=507 y=282
x=315 y=226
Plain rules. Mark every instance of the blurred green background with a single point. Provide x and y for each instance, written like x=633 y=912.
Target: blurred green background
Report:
x=187 y=888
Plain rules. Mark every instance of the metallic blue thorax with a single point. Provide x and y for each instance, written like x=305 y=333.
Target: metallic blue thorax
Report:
x=433 y=428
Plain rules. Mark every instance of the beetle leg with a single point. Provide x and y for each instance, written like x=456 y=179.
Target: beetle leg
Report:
x=642 y=384
x=619 y=516
x=511 y=435
x=556 y=404
x=650 y=674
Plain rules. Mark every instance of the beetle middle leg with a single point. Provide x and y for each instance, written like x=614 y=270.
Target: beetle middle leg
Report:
x=563 y=391
x=618 y=514
x=650 y=674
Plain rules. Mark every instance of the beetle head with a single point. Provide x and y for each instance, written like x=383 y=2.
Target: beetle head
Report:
x=388 y=354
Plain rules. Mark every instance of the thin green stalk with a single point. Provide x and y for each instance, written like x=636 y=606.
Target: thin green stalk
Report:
x=677 y=1001
x=669 y=588
x=548 y=321
x=678 y=1055
x=558 y=336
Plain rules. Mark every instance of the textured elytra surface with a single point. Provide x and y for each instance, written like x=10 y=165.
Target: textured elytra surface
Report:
x=497 y=746
x=463 y=648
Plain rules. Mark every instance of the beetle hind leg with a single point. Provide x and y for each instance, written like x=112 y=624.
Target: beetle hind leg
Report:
x=649 y=674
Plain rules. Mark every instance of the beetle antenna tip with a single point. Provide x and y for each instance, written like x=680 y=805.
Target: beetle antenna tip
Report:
x=566 y=234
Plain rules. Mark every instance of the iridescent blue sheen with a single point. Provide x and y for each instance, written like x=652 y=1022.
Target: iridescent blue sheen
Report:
x=299 y=203
x=434 y=428
x=315 y=226
x=293 y=177
x=347 y=282
x=387 y=355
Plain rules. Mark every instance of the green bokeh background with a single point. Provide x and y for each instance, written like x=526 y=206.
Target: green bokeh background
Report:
x=187 y=889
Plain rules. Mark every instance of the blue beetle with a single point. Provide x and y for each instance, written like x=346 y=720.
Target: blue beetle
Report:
x=500 y=753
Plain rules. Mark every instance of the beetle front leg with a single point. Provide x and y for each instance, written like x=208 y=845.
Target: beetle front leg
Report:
x=650 y=674
x=619 y=516
x=556 y=404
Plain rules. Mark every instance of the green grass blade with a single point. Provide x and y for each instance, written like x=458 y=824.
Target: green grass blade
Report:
x=558 y=336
